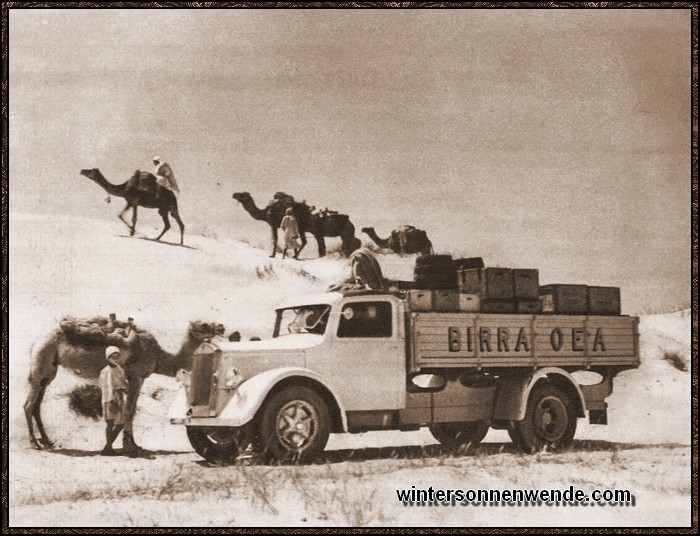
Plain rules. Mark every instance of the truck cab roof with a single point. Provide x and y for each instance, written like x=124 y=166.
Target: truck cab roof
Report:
x=329 y=298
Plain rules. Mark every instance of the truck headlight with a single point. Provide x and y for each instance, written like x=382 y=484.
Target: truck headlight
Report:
x=233 y=378
x=182 y=377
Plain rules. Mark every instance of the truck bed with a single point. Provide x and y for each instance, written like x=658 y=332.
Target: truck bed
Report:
x=466 y=340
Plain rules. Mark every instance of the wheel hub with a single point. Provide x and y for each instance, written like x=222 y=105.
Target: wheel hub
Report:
x=551 y=418
x=296 y=424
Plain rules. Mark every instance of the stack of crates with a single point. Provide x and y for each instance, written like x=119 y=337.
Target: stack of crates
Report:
x=442 y=301
x=508 y=291
x=580 y=300
x=502 y=290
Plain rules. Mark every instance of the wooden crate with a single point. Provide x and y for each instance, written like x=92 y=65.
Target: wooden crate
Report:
x=564 y=299
x=498 y=306
x=445 y=301
x=526 y=284
x=529 y=306
x=499 y=283
x=490 y=283
x=471 y=281
x=420 y=300
x=468 y=263
x=604 y=301
x=468 y=303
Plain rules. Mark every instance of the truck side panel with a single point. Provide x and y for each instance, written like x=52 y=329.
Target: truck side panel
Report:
x=456 y=340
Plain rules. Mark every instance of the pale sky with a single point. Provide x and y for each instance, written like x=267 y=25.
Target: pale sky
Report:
x=550 y=139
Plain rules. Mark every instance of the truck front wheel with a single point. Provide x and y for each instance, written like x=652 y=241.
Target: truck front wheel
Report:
x=453 y=434
x=549 y=423
x=294 y=425
x=219 y=444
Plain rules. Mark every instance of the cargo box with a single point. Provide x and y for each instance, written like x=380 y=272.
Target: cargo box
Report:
x=445 y=301
x=420 y=300
x=468 y=303
x=564 y=299
x=491 y=283
x=499 y=283
x=526 y=284
x=604 y=301
x=433 y=272
x=529 y=306
x=468 y=263
x=471 y=281
x=498 y=306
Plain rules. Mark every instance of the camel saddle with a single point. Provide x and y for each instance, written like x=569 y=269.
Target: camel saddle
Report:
x=145 y=181
x=97 y=331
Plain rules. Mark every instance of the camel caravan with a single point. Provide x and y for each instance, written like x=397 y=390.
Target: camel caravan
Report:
x=144 y=189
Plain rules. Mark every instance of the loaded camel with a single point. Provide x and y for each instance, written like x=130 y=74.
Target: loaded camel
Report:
x=403 y=239
x=322 y=224
x=80 y=347
x=141 y=190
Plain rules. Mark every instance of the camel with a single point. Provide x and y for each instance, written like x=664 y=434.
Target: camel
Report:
x=82 y=351
x=403 y=239
x=322 y=224
x=331 y=223
x=141 y=190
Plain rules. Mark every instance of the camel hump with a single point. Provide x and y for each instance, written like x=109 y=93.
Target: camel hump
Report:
x=281 y=198
x=143 y=180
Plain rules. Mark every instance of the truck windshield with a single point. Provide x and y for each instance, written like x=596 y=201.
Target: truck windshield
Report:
x=303 y=319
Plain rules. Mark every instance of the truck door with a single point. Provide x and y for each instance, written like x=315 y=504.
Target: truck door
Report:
x=368 y=363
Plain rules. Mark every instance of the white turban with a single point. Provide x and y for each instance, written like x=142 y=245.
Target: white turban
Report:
x=111 y=350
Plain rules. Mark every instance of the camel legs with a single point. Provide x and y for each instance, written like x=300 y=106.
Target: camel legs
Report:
x=321 y=244
x=274 y=241
x=164 y=214
x=131 y=227
x=176 y=215
x=132 y=396
x=32 y=411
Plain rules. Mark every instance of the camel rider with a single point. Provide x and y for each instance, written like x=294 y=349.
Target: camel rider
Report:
x=164 y=175
x=113 y=384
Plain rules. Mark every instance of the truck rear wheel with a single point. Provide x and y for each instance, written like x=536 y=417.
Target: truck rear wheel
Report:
x=294 y=425
x=549 y=423
x=219 y=444
x=453 y=434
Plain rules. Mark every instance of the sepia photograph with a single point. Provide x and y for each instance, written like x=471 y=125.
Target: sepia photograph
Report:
x=379 y=265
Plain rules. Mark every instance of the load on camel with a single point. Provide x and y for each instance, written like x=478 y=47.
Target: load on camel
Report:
x=319 y=224
x=405 y=239
x=79 y=346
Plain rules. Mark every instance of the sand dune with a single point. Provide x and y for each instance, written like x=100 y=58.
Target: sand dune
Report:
x=73 y=266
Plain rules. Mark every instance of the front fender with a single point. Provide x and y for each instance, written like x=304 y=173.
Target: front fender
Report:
x=251 y=394
x=511 y=400
x=179 y=408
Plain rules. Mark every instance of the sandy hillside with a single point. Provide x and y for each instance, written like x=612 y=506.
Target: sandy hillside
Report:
x=64 y=266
